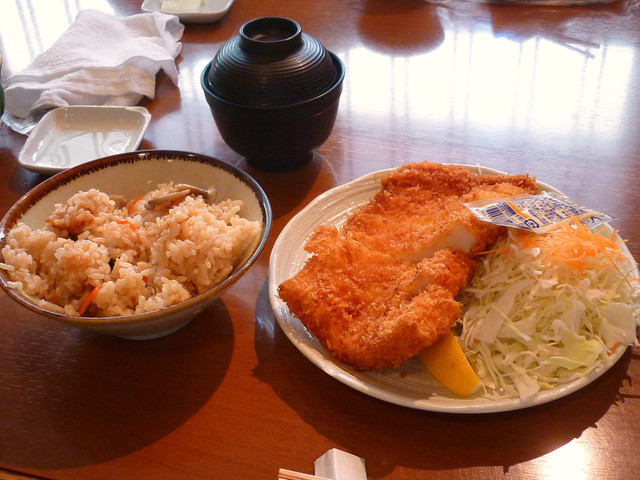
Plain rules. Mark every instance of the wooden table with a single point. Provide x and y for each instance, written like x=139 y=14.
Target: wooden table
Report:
x=553 y=92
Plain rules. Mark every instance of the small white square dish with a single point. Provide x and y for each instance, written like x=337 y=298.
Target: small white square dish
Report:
x=69 y=136
x=190 y=11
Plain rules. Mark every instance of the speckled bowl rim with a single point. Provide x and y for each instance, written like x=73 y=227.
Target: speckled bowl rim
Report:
x=27 y=201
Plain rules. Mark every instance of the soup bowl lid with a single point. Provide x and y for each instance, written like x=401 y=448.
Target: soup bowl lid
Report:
x=271 y=62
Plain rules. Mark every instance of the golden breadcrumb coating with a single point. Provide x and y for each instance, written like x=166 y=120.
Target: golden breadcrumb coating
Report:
x=368 y=308
x=414 y=224
x=420 y=210
x=380 y=289
x=450 y=179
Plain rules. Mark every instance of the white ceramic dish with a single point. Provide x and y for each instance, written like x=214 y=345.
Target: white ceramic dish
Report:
x=212 y=10
x=69 y=136
x=130 y=175
x=411 y=385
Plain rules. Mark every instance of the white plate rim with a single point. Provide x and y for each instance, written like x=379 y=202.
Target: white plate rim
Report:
x=39 y=132
x=208 y=16
x=344 y=373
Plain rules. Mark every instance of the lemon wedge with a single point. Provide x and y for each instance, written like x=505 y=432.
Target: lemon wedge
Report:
x=446 y=361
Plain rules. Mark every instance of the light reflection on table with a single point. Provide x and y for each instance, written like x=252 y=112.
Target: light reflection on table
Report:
x=548 y=91
x=566 y=462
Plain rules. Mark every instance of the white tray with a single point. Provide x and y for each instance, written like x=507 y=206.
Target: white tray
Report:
x=212 y=11
x=69 y=136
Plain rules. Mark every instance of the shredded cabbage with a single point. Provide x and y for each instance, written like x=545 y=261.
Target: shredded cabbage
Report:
x=534 y=319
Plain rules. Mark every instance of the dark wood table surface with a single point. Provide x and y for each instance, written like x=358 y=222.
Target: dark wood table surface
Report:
x=549 y=91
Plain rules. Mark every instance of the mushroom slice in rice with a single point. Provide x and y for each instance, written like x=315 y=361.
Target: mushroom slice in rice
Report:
x=182 y=191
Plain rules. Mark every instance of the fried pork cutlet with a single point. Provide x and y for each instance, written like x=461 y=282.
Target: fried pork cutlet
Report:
x=370 y=309
x=449 y=179
x=382 y=288
x=420 y=211
x=416 y=224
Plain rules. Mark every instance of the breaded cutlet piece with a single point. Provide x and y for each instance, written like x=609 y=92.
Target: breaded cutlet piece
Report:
x=370 y=309
x=450 y=179
x=413 y=221
x=416 y=224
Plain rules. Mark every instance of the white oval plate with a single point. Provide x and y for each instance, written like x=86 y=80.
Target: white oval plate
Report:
x=212 y=10
x=410 y=385
x=69 y=136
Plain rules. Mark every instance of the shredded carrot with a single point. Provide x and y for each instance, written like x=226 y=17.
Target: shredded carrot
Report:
x=125 y=221
x=573 y=245
x=517 y=210
x=88 y=300
x=613 y=348
x=502 y=249
x=132 y=206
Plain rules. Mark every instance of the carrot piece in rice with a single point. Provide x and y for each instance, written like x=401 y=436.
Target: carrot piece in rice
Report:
x=132 y=206
x=88 y=300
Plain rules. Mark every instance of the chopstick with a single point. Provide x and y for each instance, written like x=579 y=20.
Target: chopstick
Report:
x=284 y=474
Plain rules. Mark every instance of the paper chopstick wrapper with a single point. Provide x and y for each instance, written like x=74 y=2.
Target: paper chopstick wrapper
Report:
x=339 y=465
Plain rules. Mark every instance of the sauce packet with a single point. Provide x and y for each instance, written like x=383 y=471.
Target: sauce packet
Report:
x=535 y=213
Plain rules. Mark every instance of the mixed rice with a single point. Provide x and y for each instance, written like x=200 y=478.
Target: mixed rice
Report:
x=101 y=256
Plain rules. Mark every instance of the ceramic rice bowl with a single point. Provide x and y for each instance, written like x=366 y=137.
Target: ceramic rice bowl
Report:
x=131 y=175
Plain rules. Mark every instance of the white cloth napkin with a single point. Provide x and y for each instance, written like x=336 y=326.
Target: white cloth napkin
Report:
x=100 y=60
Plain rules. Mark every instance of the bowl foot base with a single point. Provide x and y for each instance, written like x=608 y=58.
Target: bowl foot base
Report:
x=280 y=164
x=154 y=335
